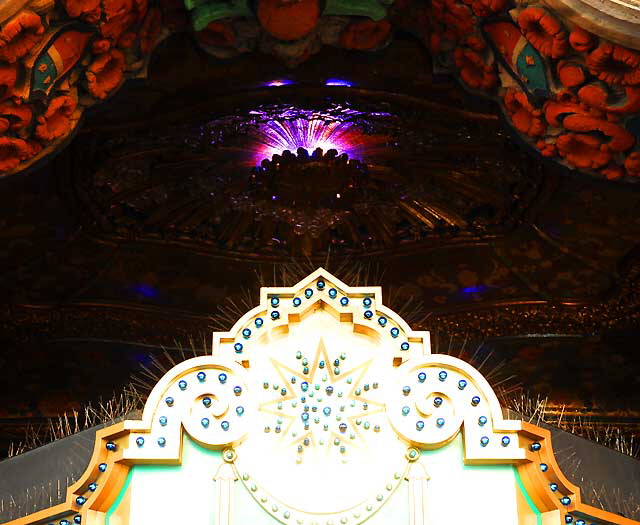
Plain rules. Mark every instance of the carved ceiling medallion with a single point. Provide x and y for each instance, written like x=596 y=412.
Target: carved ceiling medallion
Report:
x=255 y=183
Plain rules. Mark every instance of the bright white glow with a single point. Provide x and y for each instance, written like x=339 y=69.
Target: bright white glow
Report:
x=344 y=479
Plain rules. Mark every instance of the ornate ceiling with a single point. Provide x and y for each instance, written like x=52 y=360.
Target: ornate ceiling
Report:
x=566 y=73
x=165 y=203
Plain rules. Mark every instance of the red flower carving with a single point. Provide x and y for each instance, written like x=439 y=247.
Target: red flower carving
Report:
x=581 y=40
x=554 y=111
x=14 y=116
x=114 y=27
x=615 y=64
x=456 y=18
x=89 y=10
x=56 y=122
x=8 y=76
x=632 y=164
x=476 y=43
x=524 y=116
x=105 y=73
x=474 y=71
x=596 y=96
x=486 y=7
x=546 y=149
x=19 y=35
x=544 y=31
x=619 y=138
x=570 y=74
x=583 y=151
x=613 y=171
x=365 y=34
x=13 y=151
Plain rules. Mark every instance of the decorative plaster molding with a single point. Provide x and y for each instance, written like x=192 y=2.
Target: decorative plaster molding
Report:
x=202 y=396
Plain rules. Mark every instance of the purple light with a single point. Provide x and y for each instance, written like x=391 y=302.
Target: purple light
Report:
x=274 y=129
x=145 y=290
x=277 y=136
x=338 y=82
x=475 y=289
x=280 y=82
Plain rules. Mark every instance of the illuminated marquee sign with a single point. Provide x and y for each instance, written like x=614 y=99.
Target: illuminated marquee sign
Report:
x=322 y=407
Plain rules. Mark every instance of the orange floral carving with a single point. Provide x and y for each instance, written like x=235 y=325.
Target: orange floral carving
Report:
x=115 y=8
x=546 y=149
x=570 y=74
x=554 y=110
x=365 y=34
x=86 y=9
x=474 y=71
x=114 y=27
x=56 y=122
x=583 y=151
x=632 y=164
x=476 y=43
x=596 y=96
x=105 y=73
x=524 y=116
x=8 y=76
x=544 y=31
x=119 y=16
x=19 y=35
x=218 y=34
x=100 y=45
x=456 y=18
x=486 y=7
x=619 y=138
x=613 y=172
x=13 y=151
x=288 y=19
x=150 y=30
x=615 y=64
x=14 y=116
x=581 y=40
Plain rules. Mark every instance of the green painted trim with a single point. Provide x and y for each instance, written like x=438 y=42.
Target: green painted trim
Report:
x=118 y=500
x=527 y=498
